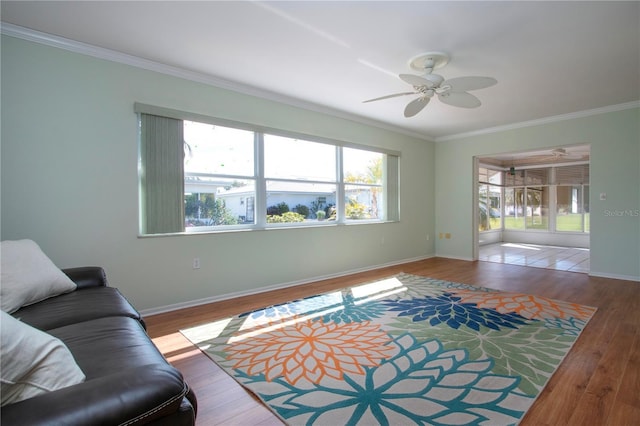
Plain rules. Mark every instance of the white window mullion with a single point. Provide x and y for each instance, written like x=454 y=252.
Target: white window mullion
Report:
x=340 y=190
x=582 y=218
x=553 y=207
x=261 y=183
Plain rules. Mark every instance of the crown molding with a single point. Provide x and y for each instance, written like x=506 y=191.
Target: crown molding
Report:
x=211 y=80
x=546 y=120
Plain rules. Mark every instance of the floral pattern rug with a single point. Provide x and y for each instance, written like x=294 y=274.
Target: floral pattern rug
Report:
x=402 y=350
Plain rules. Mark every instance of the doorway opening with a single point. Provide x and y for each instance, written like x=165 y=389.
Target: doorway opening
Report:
x=534 y=201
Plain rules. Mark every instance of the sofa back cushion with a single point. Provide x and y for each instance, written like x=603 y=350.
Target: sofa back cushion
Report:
x=76 y=307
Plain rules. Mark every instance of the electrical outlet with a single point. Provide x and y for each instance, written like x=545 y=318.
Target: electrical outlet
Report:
x=441 y=235
x=447 y=236
x=196 y=263
x=428 y=237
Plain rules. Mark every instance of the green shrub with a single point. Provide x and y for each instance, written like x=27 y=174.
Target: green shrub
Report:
x=278 y=209
x=303 y=210
x=287 y=217
x=355 y=210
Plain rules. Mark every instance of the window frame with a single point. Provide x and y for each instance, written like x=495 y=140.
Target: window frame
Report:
x=392 y=208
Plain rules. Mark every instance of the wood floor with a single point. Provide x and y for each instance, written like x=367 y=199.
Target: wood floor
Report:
x=598 y=383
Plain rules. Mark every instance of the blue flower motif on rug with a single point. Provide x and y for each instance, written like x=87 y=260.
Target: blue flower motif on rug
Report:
x=447 y=309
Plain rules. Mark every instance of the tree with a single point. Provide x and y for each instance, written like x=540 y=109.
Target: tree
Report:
x=219 y=213
x=373 y=176
x=208 y=210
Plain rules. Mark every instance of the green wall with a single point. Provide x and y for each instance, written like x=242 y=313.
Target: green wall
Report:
x=615 y=170
x=69 y=182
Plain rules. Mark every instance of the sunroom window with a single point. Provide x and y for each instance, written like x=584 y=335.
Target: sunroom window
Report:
x=554 y=199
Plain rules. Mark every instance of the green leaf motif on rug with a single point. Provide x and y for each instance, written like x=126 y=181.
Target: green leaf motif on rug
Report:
x=532 y=351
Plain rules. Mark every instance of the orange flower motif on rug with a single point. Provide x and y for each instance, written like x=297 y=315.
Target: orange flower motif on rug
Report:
x=311 y=350
x=526 y=305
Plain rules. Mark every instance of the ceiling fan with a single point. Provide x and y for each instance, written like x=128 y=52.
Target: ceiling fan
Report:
x=451 y=92
x=561 y=153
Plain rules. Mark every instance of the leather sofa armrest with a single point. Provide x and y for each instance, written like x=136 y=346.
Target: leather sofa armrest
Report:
x=132 y=397
x=87 y=276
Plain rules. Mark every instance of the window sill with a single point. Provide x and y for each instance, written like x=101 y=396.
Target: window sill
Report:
x=271 y=227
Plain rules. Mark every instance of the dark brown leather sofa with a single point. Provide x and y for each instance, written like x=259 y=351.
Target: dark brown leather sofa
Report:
x=128 y=381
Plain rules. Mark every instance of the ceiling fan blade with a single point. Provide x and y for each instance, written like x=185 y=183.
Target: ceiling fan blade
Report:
x=415 y=80
x=464 y=84
x=415 y=106
x=463 y=99
x=389 y=96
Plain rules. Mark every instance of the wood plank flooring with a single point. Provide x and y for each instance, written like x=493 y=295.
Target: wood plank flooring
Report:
x=598 y=383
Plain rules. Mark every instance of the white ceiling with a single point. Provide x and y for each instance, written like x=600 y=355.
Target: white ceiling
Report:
x=550 y=58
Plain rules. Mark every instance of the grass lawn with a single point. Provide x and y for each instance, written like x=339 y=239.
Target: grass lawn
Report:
x=572 y=222
x=568 y=222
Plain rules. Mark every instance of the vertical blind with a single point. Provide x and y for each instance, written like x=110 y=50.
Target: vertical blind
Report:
x=162 y=174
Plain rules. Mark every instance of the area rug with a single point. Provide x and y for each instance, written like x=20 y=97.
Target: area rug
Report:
x=403 y=350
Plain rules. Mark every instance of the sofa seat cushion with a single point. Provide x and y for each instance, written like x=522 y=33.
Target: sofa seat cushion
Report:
x=109 y=345
x=129 y=397
x=77 y=306
x=127 y=379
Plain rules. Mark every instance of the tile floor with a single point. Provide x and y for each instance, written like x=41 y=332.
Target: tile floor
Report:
x=538 y=256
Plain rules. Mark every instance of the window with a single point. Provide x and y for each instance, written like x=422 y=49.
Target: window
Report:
x=301 y=180
x=203 y=174
x=514 y=210
x=218 y=175
x=572 y=212
x=527 y=199
x=363 y=193
x=572 y=202
x=546 y=198
x=537 y=207
x=489 y=199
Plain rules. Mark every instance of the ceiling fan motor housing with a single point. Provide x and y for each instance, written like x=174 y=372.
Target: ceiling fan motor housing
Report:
x=429 y=61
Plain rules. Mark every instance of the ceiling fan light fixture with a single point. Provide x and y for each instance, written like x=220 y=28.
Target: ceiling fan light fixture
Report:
x=434 y=78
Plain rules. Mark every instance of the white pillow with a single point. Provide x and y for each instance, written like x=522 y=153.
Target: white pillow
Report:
x=28 y=276
x=33 y=362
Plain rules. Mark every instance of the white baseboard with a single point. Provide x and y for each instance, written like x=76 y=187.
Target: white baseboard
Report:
x=213 y=299
x=614 y=276
x=468 y=259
